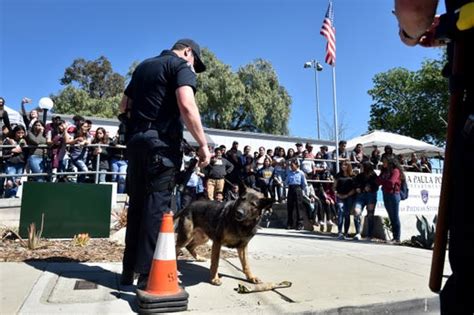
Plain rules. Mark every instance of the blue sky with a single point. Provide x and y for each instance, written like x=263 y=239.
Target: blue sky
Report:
x=40 y=38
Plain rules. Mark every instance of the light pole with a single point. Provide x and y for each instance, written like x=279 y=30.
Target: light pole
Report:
x=45 y=103
x=317 y=67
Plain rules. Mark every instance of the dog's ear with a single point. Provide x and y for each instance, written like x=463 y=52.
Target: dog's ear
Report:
x=265 y=203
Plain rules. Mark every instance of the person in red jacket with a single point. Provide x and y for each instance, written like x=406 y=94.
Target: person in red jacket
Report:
x=390 y=178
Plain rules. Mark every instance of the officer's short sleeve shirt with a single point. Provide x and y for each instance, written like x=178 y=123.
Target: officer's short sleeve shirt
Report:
x=153 y=86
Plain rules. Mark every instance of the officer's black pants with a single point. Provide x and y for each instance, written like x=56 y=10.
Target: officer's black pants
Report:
x=146 y=208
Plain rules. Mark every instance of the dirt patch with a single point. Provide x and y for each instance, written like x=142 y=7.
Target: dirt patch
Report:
x=96 y=250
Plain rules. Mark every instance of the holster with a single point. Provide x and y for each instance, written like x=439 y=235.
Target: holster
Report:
x=161 y=173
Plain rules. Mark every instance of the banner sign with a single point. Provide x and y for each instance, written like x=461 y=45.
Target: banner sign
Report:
x=423 y=197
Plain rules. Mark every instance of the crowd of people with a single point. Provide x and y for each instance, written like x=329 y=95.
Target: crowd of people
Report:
x=46 y=151
x=307 y=181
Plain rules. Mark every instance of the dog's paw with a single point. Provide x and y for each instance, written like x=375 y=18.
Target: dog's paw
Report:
x=216 y=281
x=254 y=279
x=200 y=258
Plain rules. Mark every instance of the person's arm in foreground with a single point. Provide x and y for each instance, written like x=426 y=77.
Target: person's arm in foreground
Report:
x=414 y=17
x=190 y=115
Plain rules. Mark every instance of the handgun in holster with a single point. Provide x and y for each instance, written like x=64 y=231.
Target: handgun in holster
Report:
x=160 y=173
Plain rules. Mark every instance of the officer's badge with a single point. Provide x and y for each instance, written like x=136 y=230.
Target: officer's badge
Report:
x=424 y=196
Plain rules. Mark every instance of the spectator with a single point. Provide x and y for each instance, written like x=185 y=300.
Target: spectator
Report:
x=307 y=165
x=37 y=156
x=296 y=182
x=313 y=205
x=249 y=172
x=52 y=125
x=328 y=210
x=77 y=121
x=375 y=157
x=219 y=196
x=215 y=172
x=390 y=178
x=344 y=187
x=194 y=188
x=425 y=164
x=4 y=120
x=366 y=188
x=243 y=158
x=279 y=179
x=233 y=193
x=388 y=152
x=101 y=152
x=321 y=168
x=30 y=119
x=223 y=150
x=343 y=155
x=402 y=161
x=79 y=150
x=3 y=136
x=233 y=156
x=265 y=178
x=290 y=154
x=15 y=160
x=299 y=150
x=324 y=152
x=118 y=163
x=413 y=164
x=357 y=156
x=261 y=158
x=279 y=155
x=57 y=138
x=309 y=149
x=270 y=153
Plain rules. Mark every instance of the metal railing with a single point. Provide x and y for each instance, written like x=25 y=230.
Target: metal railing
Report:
x=50 y=172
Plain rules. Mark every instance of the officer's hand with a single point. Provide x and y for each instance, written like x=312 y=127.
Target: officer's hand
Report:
x=204 y=156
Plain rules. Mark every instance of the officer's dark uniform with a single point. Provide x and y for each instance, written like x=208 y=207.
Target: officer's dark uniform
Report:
x=457 y=296
x=154 y=152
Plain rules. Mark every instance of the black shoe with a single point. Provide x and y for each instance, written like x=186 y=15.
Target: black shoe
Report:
x=127 y=277
x=300 y=227
x=142 y=281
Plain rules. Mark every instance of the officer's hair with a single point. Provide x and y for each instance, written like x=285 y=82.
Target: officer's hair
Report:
x=179 y=46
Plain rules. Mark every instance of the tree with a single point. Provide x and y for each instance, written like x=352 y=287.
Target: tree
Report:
x=411 y=103
x=251 y=99
x=266 y=106
x=73 y=101
x=92 y=88
x=220 y=94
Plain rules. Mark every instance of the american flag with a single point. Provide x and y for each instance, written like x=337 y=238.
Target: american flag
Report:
x=329 y=32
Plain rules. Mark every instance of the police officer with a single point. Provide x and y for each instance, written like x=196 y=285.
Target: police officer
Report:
x=415 y=18
x=158 y=98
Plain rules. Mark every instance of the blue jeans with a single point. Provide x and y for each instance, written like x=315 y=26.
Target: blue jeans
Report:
x=37 y=165
x=13 y=169
x=362 y=200
x=344 y=207
x=392 y=203
x=119 y=166
x=81 y=167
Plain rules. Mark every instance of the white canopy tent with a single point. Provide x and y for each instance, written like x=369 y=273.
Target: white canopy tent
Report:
x=400 y=144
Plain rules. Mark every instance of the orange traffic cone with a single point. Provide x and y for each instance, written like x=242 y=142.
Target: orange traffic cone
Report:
x=163 y=294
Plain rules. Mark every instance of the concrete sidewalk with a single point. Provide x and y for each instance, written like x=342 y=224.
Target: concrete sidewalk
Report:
x=328 y=277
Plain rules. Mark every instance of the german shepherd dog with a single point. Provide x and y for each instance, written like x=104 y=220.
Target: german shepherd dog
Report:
x=231 y=224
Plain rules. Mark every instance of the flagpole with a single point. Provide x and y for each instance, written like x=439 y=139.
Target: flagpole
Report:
x=335 y=116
